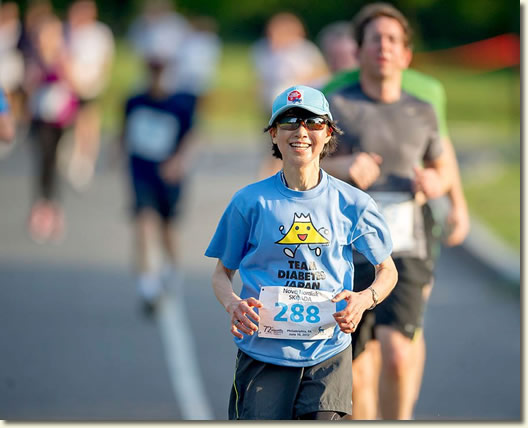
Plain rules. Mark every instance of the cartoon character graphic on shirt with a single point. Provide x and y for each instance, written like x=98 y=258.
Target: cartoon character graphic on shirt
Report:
x=303 y=232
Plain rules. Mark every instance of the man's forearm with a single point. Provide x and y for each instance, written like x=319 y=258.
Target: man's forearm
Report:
x=446 y=178
x=456 y=190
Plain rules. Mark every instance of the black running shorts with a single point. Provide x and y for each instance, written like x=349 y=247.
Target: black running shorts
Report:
x=403 y=309
x=263 y=391
x=152 y=191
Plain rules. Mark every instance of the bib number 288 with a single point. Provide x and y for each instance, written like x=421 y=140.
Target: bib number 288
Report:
x=297 y=313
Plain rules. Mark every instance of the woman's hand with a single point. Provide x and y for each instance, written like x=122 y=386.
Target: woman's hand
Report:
x=240 y=310
x=357 y=303
x=242 y=315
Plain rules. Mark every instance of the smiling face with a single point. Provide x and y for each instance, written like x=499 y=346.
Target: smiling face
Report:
x=300 y=147
x=302 y=231
x=384 y=52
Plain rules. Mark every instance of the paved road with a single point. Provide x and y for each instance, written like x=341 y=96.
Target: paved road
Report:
x=76 y=347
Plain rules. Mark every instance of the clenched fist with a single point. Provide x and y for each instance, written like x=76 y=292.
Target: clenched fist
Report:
x=365 y=169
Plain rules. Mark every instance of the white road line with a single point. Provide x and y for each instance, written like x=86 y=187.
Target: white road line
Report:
x=181 y=359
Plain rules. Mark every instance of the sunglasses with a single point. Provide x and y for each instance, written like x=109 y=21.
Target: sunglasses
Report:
x=291 y=123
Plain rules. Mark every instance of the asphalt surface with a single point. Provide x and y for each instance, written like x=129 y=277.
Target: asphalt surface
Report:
x=75 y=345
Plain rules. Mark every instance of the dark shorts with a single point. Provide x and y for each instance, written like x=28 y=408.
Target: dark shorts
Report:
x=264 y=391
x=403 y=309
x=151 y=191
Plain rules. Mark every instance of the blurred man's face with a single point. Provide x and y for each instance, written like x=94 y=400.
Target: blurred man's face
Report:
x=383 y=52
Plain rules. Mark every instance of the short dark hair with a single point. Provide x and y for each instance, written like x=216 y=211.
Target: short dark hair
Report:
x=329 y=148
x=375 y=10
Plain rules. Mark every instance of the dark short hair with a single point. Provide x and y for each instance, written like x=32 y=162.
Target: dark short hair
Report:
x=375 y=10
x=329 y=148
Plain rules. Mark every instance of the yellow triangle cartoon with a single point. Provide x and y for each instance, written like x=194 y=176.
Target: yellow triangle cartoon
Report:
x=302 y=231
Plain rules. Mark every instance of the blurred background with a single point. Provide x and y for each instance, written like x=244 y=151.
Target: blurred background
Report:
x=75 y=344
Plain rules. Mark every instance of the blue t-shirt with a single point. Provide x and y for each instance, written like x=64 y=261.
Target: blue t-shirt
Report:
x=253 y=237
x=155 y=127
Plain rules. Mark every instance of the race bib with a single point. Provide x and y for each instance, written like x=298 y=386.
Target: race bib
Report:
x=54 y=103
x=296 y=313
x=404 y=220
x=151 y=133
x=398 y=211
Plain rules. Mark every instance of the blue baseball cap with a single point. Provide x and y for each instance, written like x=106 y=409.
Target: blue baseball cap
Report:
x=303 y=97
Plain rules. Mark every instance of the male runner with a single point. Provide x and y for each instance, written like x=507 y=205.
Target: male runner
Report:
x=453 y=229
x=388 y=135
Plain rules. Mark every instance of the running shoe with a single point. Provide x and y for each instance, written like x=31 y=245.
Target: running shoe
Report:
x=150 y=289
x=41 y=222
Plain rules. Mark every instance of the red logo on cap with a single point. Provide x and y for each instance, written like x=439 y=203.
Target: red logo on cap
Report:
x=294 y=97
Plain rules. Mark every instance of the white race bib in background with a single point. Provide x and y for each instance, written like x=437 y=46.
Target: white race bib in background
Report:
x=151 y=133
x=398 y=211
x=403 y=216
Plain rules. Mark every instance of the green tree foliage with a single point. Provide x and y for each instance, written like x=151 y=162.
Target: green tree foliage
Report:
x=437 y=23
